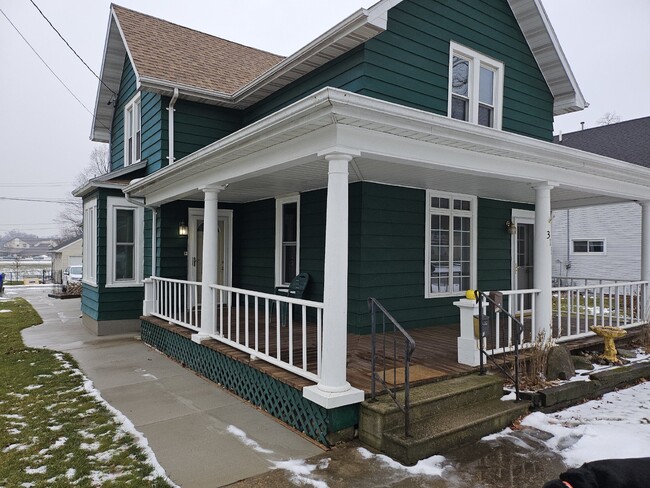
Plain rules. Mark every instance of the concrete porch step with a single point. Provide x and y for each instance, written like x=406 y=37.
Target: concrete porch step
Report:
x=462 y=425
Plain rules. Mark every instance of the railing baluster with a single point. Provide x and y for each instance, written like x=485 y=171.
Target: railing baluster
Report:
x=257 y=325
x=266 y=326
x=246 y=334
x=290 y=307
x=304 y=338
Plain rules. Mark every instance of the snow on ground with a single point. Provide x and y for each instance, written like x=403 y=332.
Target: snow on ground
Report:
x=432 y=466
x=241 y=435
x=616 y=426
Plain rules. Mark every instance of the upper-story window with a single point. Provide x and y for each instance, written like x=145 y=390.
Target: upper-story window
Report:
x=475 y=87
x=132 y=131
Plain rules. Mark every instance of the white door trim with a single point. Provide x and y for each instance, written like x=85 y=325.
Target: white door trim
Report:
x=225 y=216
x=518 y=216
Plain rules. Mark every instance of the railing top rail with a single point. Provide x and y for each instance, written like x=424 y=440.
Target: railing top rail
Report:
x=610 y=285
x=172 y=280
x=270 y=296
x=392 y=319
x=588 y=278
x=518 y=292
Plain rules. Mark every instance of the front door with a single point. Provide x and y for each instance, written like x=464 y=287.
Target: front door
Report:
x=523 y=253
x=195 y=247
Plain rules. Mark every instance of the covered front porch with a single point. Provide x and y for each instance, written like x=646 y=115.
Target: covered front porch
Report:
x=368 y=169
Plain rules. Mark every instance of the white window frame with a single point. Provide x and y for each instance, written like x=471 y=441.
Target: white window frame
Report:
x=134 y=106
x=113 y=205
x=279 y=202
x=476 y=61
x=89 y=259
x=473 y=238
x=588 y=252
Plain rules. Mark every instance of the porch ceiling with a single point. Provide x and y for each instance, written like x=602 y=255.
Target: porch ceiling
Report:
x=392 y=144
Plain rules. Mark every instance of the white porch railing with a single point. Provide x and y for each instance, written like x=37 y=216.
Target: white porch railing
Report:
x=283 y=331
x=520 y=304
x=248 y=320
x=576 y=308
x=177 y=301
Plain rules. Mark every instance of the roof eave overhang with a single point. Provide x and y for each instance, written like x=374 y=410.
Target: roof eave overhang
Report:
x=93 y=185
x=546 y=49
x=333 y=105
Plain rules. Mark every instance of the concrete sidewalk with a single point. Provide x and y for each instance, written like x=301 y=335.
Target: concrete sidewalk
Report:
x=185 y=418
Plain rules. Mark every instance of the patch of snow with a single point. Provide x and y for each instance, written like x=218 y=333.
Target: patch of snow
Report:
x=59 y=443
x=12 y=416
x=39 y=470
x=241 y=435
x=301 y=472
x=13 y=431
x=18 y=395
x=55 y=428
x=124 y=423
x=432 y=466
x=599 y=429
x=32 y=387
x=509 y=396
x=27 y=485
x=17 y=447
x=70 y=473
x=6 y=311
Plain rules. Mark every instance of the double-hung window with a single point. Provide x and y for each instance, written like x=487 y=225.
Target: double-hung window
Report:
x=132 y=131
x=287 y=239
x=89 y=272
x=588 y=246
x=450 y=256
x=475 y=87
x=124 y=241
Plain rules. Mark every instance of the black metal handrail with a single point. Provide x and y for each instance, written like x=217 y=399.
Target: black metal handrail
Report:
x=409 y=346
x=484 y=324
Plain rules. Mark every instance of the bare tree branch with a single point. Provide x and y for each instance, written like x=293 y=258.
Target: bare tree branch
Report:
x=609 y=118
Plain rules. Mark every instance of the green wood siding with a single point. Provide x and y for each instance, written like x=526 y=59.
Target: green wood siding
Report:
x=409 y=63
x=197 y=125
x=154 y=132
x=312 y=241
x=254 y=246
x=126 y=93
x=171 y=260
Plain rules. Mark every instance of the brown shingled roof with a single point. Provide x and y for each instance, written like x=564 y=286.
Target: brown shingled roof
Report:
x=170 y=52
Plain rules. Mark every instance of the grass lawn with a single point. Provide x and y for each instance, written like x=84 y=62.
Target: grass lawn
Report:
x=54 y=430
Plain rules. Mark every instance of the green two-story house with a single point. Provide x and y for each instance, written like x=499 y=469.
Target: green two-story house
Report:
x=405 y=154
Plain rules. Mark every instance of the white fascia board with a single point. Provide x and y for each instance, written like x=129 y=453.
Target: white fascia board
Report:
x=128 y=51
x=543 y=42
x=84 y=190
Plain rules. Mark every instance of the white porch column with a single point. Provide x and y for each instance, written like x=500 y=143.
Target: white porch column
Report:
x=645 y=250
x=543 y=262
x=333 y=390
x=210 y=260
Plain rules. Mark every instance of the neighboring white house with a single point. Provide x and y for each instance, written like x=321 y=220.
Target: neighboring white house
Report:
x=69 y=253
x=603 y=242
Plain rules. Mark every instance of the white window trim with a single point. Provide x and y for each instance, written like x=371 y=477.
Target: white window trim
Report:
x=279 y=202
x=114 y=204
x=588 y=253
x=129 y=106
x=477 y=60
x=89 y=258
x=427 y=248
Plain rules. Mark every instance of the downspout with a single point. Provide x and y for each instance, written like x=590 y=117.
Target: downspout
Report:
x=567 y=265
x=170 y=119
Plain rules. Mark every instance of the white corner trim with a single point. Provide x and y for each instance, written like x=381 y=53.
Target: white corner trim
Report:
x=113 y=204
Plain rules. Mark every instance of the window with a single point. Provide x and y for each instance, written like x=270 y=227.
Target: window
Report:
x=90 y=242
x=287 y=245
x=450 y=244
x=585 y=246
x=124 y=257
x=475 y=87
x=132 y=131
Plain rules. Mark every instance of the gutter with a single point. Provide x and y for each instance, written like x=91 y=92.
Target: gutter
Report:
x=171 y=110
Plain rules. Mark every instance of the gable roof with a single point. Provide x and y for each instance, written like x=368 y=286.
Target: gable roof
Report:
x=208 y=69
x=628 y=141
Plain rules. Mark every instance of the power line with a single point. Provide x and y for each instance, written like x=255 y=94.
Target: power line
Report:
x=52 y=200
x=71 y=49
x=48 y=67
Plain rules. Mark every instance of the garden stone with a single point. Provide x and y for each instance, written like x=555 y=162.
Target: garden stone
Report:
x=627 y=353
x=559 y=366
x=582 y=362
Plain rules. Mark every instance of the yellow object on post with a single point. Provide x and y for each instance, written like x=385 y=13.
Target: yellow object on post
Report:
x=471 y=294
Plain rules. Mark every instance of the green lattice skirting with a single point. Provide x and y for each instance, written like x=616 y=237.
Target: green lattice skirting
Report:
x=277 y=398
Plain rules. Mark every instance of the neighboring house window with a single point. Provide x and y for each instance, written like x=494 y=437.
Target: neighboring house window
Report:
x=132 y=131
x=450 y=254
x=124 y=242
x=287 y=239
x=90 y=242
x=475 y=87
x=585 y=246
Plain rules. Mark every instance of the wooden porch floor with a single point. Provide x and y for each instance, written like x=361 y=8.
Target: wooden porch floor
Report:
x=434 y=358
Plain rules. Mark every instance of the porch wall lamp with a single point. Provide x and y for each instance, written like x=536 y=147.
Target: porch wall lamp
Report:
x=511 y=227
x=182 y=228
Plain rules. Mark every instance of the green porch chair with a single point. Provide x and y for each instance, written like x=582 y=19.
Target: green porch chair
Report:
x=296 y=289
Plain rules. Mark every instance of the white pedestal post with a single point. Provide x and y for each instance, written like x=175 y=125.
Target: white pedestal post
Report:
x=210 y=260
x=333 y=390
x=543 y=262
x=468 y=345
x=148 y=305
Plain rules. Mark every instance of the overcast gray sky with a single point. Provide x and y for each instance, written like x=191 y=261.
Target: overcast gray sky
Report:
x=44 y=132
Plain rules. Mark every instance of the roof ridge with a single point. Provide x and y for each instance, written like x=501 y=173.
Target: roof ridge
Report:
x=113 y=5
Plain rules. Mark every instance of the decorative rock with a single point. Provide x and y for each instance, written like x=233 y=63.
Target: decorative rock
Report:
x=582 y=362
x=626 y=353
x=560 y=365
